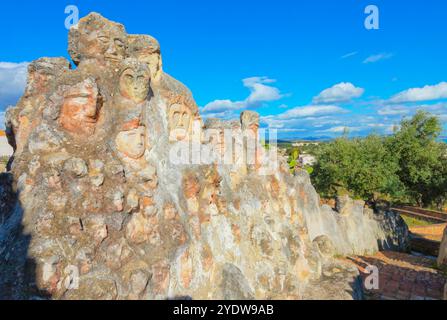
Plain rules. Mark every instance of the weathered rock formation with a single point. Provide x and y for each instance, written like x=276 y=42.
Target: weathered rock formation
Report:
x=353 y=228
x=121 y=194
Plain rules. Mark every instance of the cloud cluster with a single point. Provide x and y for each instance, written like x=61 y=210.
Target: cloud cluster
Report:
x=12 y=82
x=427 y=93
x=341 y=92
x=304 y=119
x=406 y=109
x=261 y=91
x=310 y=111
x=393 y=110
x=341 y=129
x=334 y=110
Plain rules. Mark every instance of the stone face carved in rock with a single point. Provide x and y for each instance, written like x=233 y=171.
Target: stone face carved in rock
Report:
x=97 y=38
x=180 y=121
x=250 y=127
x=250 y=120
x=131 y=143
x=146 y=49
x=135 y=80
x=79 y=113
x=25 y=117
x=43 y=72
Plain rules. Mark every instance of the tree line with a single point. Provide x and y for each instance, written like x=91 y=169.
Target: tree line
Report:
x=409 y=166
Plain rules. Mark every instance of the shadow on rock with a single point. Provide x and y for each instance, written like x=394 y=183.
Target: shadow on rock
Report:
x=17 y=270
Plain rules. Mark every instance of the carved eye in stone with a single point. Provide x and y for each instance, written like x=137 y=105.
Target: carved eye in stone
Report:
x=119 y=43
x=103 y=39
x=176 y=118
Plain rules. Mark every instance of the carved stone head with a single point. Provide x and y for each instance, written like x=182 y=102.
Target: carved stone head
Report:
x=79 y=113
x=131 y=143
x=146 y=49
x=44 y=71
x=135 y=80
x=250 y=120
x=97 y=38
x=180 y=121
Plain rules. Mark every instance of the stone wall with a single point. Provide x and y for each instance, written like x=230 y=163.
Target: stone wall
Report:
x=353 y=228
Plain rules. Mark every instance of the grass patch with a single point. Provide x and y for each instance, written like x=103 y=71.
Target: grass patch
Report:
x=413 y=222
x=3 y=163
x=441 y=269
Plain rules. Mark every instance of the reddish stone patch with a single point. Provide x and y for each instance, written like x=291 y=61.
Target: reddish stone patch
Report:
x=191 y=187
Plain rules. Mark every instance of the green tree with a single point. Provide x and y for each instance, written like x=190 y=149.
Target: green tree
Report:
x=409 y=165
x=363 y=167
x=420 y=156
x=435 y=192
x=293 y=159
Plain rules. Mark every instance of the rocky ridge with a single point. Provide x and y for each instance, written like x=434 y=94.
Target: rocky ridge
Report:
x=102 y=206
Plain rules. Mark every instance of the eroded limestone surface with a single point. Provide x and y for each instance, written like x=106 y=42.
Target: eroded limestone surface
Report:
x=100 y=198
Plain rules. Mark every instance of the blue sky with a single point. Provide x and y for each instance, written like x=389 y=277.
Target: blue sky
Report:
x=310 y=68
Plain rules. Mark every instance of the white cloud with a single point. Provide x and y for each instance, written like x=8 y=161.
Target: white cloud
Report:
x=12 y=82
x=282 y=130
x=310 y=111
x=341 y=129
x=378 y=57
x=260 y=91
x=435 y=92
x=219 y=106
x=341 y=92
x=393 y=110
x=303 y=119
x=348 y=55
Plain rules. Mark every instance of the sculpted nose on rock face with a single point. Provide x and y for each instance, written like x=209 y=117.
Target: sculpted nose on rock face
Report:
x=91 y=113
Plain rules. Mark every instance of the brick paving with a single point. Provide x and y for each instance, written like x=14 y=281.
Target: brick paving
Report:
x=402 y=276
